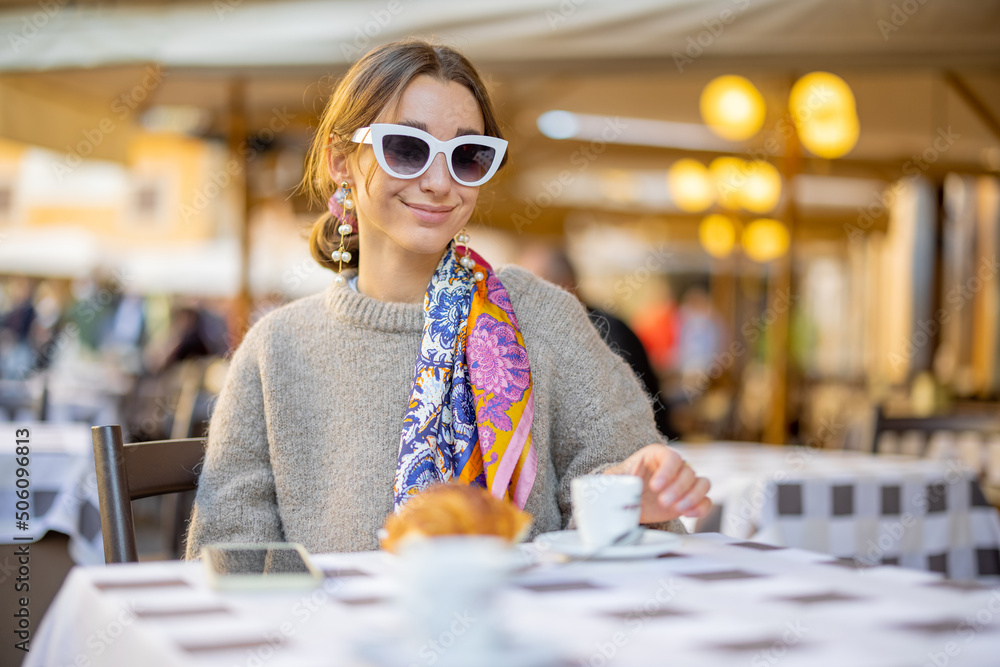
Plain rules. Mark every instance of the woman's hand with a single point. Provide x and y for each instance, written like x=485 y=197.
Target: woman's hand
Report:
x=670 y=487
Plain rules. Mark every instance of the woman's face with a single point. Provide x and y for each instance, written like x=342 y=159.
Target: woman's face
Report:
x=418 y=215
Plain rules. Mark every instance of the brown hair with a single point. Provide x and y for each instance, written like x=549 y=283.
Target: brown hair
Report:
x=371 y=85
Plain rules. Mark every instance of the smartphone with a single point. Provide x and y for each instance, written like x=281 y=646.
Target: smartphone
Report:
x=270 y=565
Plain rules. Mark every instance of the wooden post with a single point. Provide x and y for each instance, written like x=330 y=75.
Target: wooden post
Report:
x=779 y=298
x=239 y=313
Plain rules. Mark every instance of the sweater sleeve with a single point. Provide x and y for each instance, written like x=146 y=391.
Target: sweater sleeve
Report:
x=602 y=414
x=236 y=500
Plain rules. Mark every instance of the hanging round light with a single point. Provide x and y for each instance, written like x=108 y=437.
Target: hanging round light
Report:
x=832 y=138
x=729 y=175
x=762 y=189
x=717 y=234
x=690 y=185
x=765 y=240
x=824 y=111
x=819 y=95
x=732 y=107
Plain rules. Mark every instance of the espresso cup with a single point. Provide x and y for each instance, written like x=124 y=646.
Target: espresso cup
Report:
x=605 y=507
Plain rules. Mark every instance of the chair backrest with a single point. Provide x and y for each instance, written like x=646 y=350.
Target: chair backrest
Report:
x=927 y=426
x=129 y=472
x=973 y=439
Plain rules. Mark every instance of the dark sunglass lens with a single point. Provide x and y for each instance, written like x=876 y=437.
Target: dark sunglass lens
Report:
x=405 y=155
x=472 y=161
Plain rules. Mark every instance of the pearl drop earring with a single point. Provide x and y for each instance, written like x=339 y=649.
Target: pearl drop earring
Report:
x=462 y=238
x=341 y=205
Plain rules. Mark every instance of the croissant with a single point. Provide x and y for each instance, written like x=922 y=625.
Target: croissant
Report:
x=454 y=509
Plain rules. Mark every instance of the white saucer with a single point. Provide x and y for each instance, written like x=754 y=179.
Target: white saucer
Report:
x=567 y=542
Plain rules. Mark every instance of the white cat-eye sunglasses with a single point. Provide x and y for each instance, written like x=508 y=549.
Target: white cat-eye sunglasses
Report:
x=406 y=152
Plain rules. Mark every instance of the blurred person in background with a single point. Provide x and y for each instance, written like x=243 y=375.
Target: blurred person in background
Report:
x=511 y=390
x=107 y=319
x=30 y=329
x=656 y=325
x=554 y=265
x=700 y=334
x=50 y=304
x=126 y=328
x=175 y=394
x=16 y=350
x=194 y=333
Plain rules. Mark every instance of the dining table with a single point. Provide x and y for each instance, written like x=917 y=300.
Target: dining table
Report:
x=61 y=487
x=61 y=525
x=893 y=509
x=705 y=599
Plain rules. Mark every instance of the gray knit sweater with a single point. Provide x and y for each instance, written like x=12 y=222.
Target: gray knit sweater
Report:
x=302 y=444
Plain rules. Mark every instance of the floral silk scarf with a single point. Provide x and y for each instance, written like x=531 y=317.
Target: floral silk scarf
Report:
x=470 y=410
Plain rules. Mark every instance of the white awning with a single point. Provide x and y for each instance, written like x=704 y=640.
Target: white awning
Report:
x=242 y=33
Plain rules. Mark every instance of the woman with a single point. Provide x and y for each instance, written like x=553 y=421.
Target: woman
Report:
x=326 y=424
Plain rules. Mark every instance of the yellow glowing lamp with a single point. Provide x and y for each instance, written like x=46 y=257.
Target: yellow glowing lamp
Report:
x=717 y=234
x=820 y=95
x=765 y=239
x=732 y=107
x=831 y=138
x=762 y=189
x=729 y=175
x=823 y=108
x=690 y=185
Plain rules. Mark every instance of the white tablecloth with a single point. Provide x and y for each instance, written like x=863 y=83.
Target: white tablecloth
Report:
x=63 y=488
x=712 y=601
x=898 y=510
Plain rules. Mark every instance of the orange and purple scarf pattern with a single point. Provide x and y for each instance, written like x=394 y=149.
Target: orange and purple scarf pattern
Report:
x=471 y=406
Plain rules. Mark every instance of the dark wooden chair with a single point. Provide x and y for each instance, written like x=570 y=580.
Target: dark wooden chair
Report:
x=129 y=472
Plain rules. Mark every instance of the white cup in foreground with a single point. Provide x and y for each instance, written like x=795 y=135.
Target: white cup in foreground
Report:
x=447 y=587
x=605 y=507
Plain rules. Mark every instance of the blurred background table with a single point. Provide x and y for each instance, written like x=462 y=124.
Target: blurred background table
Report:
x=887 y=509
x=63 y=488
x=64 y=520
x=713 y=601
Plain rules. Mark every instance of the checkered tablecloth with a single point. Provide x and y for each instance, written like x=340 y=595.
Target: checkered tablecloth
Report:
x=63 y=489
x=712 y=601
x=892 y=510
